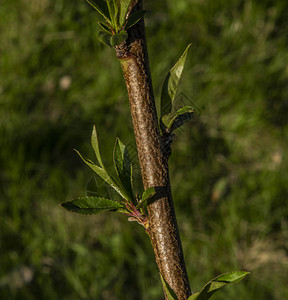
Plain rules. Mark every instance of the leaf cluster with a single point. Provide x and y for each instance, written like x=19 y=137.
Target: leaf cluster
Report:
x=117 y=20
x=122 y=183
x=169 y=119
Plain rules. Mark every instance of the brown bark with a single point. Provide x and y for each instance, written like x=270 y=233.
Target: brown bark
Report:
x=163 y=230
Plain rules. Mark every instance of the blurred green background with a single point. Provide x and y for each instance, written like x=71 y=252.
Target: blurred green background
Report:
x=228 y=166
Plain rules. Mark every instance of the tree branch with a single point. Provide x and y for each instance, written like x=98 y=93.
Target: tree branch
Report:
x=163 y=229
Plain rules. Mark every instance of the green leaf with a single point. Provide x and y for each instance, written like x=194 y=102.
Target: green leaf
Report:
x=168 y=290
x=113 y=8
x=173 y=121
x=232 y=277
x=217 y=283
x=194 y=296
x=95 y=146
x=110 y=9
x=147 y=194
x=123 y=166
x=104 y=38
x=91 y=205
x=101 y=7
x=97 y=188
x=116 y=11
x=118 y=38
x=105 y=176
x=105 y=28
x=171 y=83
x=124 y=7
x=134 y=18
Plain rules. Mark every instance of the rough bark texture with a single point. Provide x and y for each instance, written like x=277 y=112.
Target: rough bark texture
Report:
x=163 y=230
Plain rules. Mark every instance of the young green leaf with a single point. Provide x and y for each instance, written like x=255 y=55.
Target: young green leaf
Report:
x=168 y=290
x=116 y=10
x=91 y=205
x=171 y=83
x=147 y=194
x=123 y=166
x=105 y=176
x=134 y=18
x=97 y=188
x=173 y=121
x=118 y=38
x=95 y=146
x=113 y=7
x=101 y=7
x=104 y=38
x=217 y=283
x=124 y=7
x=105 y=28
x=110 y=9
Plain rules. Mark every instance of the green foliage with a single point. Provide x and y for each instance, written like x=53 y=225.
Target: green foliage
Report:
x=121 y=161
x=117 y=39
x=229 y=177
x=210 y=288
x=171 y=83
x=105 y=176
x=95 y=146
x=104 y=27
x=174 y=120
x=217 y=283
x=122 y=183
x=124 y=6
x=102 y=8
x=123 y=166
x=104 y=38
x=169 y=121
x=92 y=205
x=118 y=19
x=147 y=194
x=167 y=289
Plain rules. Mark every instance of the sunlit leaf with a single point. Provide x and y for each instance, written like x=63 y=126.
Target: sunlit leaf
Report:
x=147 y=194
x=110 y=9
x=231 y=277
x=134 y=18
x=91 y=205
x=96 y=187
x=113 y=8
x=104 y=38
x=116 y=11
x=168 y=290
x=123 y=166
x=173 y=121
x=217 y=283
x=95 y=146
x=105 y=176
x=124 y=7
x=171 y=83
x=117 y=39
